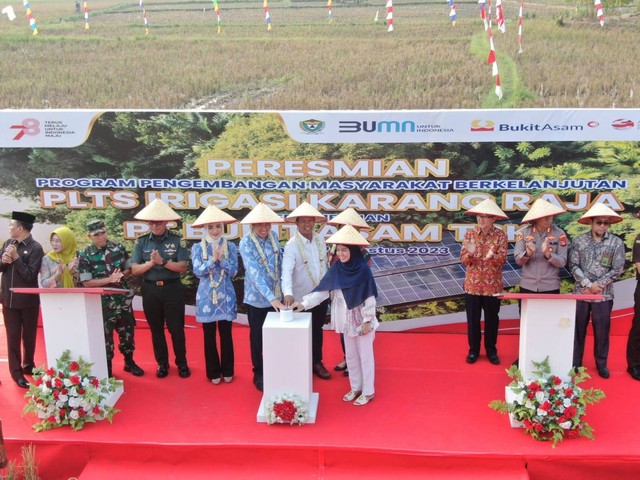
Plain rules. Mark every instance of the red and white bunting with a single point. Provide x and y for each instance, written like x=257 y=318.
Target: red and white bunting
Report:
x=483 y=13
x=390 y=15
x=500 y=17
x=599 y=12
x=520 y=14
x=491 y=60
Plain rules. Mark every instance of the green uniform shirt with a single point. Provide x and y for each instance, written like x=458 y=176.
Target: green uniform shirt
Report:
x=171 y=246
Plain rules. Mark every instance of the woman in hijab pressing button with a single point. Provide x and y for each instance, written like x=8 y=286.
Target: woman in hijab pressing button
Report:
x=350 y=284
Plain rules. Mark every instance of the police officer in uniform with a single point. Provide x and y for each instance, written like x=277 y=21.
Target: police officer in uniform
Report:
x=105 y=264
x=541 y=249
x=161 y=257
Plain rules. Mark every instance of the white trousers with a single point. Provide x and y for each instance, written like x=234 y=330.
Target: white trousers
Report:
x=360 y=361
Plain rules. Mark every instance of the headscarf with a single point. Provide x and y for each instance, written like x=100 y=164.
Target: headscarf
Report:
x=68 y=253
x=354 y=278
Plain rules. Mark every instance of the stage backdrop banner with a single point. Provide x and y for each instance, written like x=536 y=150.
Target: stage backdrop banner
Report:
x=410 y=174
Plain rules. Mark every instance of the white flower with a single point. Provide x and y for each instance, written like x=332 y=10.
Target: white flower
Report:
x=67 y=383
x=566 y=402
x=541 y=413
x=74 y=402
x=73 y=414
x=540 y=396
x=529 y=404
x=565 y=425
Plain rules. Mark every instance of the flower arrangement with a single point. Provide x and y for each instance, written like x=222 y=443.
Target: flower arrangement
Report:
x=69 y=395
x=549 y=408
x=286 y=408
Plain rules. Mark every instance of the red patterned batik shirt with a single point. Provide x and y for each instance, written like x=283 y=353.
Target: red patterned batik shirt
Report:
x=484 y=276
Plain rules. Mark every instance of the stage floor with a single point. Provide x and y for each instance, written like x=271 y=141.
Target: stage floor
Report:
x=430 y=418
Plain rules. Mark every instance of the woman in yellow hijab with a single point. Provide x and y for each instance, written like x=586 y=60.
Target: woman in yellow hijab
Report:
x=60 y=266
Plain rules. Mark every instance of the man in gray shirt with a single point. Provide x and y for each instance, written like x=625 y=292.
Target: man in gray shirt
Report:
x=541 y=249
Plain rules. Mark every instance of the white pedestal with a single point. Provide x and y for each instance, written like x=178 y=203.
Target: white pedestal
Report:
x=286 y=358
x=547 y=328
x=72 y=320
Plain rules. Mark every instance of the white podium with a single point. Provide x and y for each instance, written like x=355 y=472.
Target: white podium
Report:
x=72 y=320
x=547 y=328
x=286 y=359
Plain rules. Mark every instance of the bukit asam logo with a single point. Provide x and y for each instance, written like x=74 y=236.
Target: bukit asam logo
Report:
x=29 y=126
x=482 y=126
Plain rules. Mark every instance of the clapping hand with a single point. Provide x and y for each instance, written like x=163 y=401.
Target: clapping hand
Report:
x=470 y=245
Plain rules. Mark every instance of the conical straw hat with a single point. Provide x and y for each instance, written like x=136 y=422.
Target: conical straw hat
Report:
x=305 y=209
x=261 y=214
x=488 y=207
x=348 y=235
x=213 y=214
x=541 y=208
x=599 y=210
x=350 y=217
x=157 y=211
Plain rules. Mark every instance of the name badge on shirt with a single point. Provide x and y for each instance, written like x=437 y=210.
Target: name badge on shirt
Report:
x=605 y=261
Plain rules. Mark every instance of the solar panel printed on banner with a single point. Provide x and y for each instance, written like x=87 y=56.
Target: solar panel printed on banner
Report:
x=424 y=275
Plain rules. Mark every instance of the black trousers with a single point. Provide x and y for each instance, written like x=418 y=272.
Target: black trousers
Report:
x=475 y=305
x=600 y=315
x=218 y=364
x=21 y=325
x=318 y=317
x=256 y=317
x=633 y=343
x=164 y=304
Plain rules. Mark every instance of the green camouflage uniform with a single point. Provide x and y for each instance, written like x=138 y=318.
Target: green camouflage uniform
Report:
x=117 y=313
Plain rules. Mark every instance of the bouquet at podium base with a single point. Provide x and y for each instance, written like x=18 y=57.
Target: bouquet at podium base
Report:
x=286 y=408
x=549 y=408
x=69 y=395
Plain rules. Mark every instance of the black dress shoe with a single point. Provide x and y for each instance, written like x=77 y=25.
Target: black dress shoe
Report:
x=184 y=371
x=163 y=371
x=320 y=370
x=494 y=359
x=258 y=382
x=341 y=367
x=634 y=372
x=131 y=367
x=28 y=370
x=472 y=358
x=22 y=382
x=603 y=372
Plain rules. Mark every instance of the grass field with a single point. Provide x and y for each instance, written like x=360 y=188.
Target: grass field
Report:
x=307 y=63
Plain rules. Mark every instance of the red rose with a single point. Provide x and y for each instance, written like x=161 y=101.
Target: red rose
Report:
x=572 y=433
x=74 y=367
x=568 y=392
x=38 y=382
x=58 y=383
x=557 y=380
x=528 y=424
x=51 y=419
x=538 y=427
x=51 y=372
x=75 y=379
x=96 y=410
x=64 y=391
x=63 y=412
x=546 y=406
x=81 y=391
x=552 y=391
x=81 y=412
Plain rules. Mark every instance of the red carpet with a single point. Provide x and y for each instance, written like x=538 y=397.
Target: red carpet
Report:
x=429 y=419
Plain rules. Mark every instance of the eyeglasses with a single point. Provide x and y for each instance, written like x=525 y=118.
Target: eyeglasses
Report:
x=602 y=222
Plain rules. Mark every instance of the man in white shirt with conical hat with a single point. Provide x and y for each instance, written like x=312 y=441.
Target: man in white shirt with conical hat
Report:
x=304 y=264
x=596 y=260
x=262 y=259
